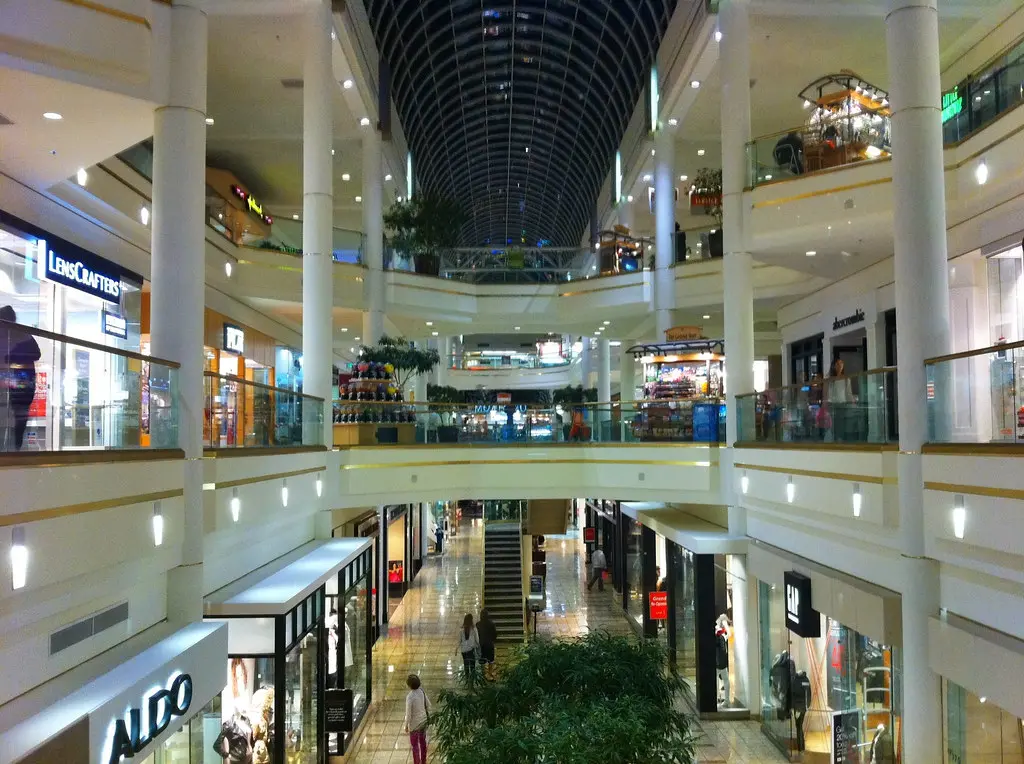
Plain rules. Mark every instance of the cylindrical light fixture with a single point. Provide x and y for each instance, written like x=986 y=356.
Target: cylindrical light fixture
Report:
x=236 y=504
x=158 y=524
x=19 y=558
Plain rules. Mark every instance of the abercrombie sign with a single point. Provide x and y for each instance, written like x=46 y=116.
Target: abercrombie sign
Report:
x=82 y=276
x=141 y=726
x=842 y=323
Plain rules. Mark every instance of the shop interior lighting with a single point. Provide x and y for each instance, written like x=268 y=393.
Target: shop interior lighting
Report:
x=52 y=115
x=359 y=200
x=346 y=177
x=19 y=558
x=357 y=339
x=718 y=36
x=158 y=524
x=387 y=177
x=983 y=699
x=433 y=334
x=347 y=84
x=807 y=104
x=694 y=84
x=516 y=328
x=857 y=499
x=684 y=177
x=295 y=217
x=235 y=504
x=319 y=486
x=365 y=121
x=648 y=178
x=672 y=122
x=790 y=490
x=768 y=176
x=981 y=173
x=744 y=483
x=227 y=268
x=284 y=492
x=873 y=152
x=430 y=323
x=332 y=152
x=629 y=198
x=82 y=177
x=209 y=120
x=607 y=323
x=652 y=152
x=700 y=152
x=706 y=316
x=959 y=516
x=811 y=252
x=144 y=215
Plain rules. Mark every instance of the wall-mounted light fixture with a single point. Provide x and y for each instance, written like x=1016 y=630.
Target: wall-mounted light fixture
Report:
x=19 y=558
x=235 y=504
x=284 y=492
x=319 y=486
x=158 y=524
x=744 y=483
x=790 y=490
x=959 y=516
x=857 y=500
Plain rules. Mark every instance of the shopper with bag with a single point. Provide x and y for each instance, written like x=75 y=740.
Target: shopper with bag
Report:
x=417 y=717
x=598 y=565
x=469 y=646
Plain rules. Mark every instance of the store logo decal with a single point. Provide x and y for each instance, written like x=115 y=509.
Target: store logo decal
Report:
x=160 y=706
x=856 y=318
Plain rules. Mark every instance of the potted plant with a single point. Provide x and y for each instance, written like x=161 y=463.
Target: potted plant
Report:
x=423 y=226
x=448 y=432
x=408 y=358
x=708 y=186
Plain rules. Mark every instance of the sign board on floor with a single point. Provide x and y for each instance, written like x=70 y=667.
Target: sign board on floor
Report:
x=658 y=604
x=590 y=535
x=338 y=710
x=845 y=736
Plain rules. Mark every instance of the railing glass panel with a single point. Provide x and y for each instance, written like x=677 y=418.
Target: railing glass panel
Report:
x=860 y=408
x=244 y=414
x=58 y=393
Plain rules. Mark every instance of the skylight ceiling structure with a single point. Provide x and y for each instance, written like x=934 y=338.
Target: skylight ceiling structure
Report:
x=515 y=109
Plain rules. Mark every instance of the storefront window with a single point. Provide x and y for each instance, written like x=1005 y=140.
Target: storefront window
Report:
x=810 y=685
x=686 y=617
x=247 y=710
x=356 y=675
x=979 y=732
x=634 y=572
x=300 y=702
x=190 y=744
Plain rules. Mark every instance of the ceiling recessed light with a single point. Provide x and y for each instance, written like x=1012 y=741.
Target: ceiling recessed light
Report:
x=344 y=328
x=607 y=323
x=718 y=36
x=694 y=84
x=346 y=176
x=516 y=328
x=433 y=334
x=527 y=149
x=357 y=338
x=768 y=176
x=347 y=84
x=332 y=152
x=700 y=152
x=144 y=215
x=673 y=122
x=364 y=121
x=706 y=316
x=811 y=253
x=52 y=115
x=209 y=120
x=652 y=152
x=647 y=178
x=629 y=198
x=359 y=200
x=295 y=217
x=82 y=176
x=430 y=323
x=844 y=253
x=388 y=176
x=981 y=173
x=684 y=177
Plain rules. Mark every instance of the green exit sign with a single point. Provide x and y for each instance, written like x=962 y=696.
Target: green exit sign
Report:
x=952 y=104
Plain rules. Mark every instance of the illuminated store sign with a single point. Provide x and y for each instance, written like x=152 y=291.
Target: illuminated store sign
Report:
x=254 y=206
x=952 y=104
x=801 y=619
x=234 y=339
x=86 y=277
x=140 y=726
x=115 y=325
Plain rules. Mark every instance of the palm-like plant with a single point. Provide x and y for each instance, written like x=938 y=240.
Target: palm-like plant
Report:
x=408 y=358
x=596 y=698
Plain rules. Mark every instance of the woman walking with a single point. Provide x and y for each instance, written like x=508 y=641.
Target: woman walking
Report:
x=487 y=631
x=417 y=714
x=469 y=645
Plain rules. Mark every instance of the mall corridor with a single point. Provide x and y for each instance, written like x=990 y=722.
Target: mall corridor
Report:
x=422 y=639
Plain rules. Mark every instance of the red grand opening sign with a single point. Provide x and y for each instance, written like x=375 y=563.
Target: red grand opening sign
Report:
x=590 y=535
x=658 y=605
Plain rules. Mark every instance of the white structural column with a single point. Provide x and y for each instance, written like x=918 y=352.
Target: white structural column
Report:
x=373 y=230
x=602 y=421
x=626 y=214
x=734 y=57
x=444 y=350
x=627 y=372
x=734 y=23
x=176 y=309
x=426 y=508
x=318 y=212
x=664 y=230
x=922 y=331
x=586 y=361
x=382 y=566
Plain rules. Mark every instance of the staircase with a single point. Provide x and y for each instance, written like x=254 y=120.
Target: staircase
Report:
x=503 y=579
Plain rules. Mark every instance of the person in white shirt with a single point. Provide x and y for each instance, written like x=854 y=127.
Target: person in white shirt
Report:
x=598 y=565
x=417 y=715
x=469 y=646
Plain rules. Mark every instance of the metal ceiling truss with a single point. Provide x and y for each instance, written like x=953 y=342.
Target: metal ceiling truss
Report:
x=478 y=82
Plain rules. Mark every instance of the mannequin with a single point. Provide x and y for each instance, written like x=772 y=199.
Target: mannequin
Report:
x=781 y=677
x=882 y=751
x=801 y=702
x=723 y=632
x=332 y=648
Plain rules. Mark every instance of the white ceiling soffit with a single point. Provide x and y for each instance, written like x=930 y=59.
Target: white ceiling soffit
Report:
x=858 y=8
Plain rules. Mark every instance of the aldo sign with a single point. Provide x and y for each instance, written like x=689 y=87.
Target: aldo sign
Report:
x=141 y=726
x=801 y=619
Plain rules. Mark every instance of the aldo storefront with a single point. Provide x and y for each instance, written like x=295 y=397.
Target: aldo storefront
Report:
x=298 y=667
x=831 y=667
x=157 y=706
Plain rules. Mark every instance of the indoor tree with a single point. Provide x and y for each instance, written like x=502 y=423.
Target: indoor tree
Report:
x=424 y=225
x=595 y=698
x=408 y=358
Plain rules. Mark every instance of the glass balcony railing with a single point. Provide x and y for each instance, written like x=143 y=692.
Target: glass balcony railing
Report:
x=244 y=414
x=860 y=408
x=373 y=423
x=498 y=361
x=535 y=265
x=985 y=96
x=838 y=142
x=977 y=396
x=58 y=393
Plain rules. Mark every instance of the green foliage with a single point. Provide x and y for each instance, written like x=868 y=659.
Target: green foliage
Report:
x=408 y=358
x=709 y=183
x=573 y=396
x=444 y=394
x=597 y=698
x=424 y=224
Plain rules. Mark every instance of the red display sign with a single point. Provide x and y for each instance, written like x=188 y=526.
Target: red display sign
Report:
x=37 y=409
x=658 y=605
x=396 y=571
x=590 y=535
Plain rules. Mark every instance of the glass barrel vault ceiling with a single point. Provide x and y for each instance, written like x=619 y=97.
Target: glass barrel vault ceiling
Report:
x=515 y=109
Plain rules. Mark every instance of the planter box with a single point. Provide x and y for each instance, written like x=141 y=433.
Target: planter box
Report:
x=370 y=434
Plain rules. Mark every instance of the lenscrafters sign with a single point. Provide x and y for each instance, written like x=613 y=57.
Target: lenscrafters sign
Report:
x=842 y=323
x=801 y=619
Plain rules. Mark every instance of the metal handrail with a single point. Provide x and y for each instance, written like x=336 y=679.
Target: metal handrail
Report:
x=806 y=126
x=244 y=381
x=87 y=344
x=969 y=353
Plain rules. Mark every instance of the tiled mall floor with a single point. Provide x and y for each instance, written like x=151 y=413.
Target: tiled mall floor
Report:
x=422 y=638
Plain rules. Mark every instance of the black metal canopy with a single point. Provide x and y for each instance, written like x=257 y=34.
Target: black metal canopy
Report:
x=515 y=108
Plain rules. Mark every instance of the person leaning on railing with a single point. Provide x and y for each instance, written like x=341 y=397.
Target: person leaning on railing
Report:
x=838 y=399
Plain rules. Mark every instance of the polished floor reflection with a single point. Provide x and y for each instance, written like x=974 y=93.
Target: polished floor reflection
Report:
x=422 y=638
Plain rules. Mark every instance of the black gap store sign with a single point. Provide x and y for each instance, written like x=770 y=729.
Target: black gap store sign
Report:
x=801 y=619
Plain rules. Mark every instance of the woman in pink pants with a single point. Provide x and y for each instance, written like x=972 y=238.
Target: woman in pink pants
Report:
x=417 y=714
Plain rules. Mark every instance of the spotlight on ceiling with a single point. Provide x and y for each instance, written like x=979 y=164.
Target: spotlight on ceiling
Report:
x=364 y=121
x=347 y=84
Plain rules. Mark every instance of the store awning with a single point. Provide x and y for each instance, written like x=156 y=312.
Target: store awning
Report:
x=82 y=704
x=279 y=586
x=686 y=530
